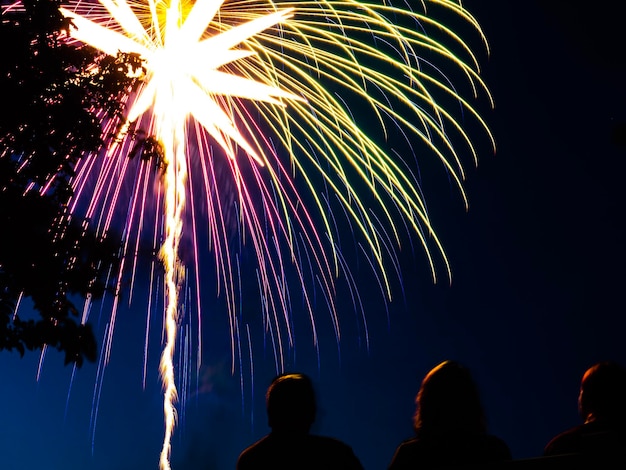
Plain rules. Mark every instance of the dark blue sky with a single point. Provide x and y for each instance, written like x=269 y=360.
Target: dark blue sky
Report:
x=536 y=298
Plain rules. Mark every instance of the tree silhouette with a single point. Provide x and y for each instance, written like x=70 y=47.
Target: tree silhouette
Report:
x=54 y=96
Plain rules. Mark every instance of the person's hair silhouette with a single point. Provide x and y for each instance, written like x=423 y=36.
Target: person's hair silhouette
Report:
x=448 y=400
x=290 y=402
x=449 y=423
x=602 y=407
x=291 y=410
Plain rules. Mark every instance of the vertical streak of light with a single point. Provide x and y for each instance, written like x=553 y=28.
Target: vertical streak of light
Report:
x=175 y=179
x=154 y=286
x=85 y=315
x=97 y=392
x=142 y=183
x=148 y=316
x=17 y=305
x=42 y=356
x=69 y=392
x=251 y=377
x=239 y=355
x=196 y=260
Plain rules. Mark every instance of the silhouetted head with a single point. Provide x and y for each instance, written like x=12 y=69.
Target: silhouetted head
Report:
x=448 y=401
x=290 y=402
x=602 y=393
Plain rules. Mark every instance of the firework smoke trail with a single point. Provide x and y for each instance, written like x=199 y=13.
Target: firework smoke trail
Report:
x=267 y=83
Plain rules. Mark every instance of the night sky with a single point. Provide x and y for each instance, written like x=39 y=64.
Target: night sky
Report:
x=536 y=297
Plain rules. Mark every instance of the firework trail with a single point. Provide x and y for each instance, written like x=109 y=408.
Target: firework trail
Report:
x=266 y=91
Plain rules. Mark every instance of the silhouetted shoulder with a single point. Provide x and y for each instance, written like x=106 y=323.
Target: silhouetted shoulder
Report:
x=340 y=452
x=298 y=451
x=568 y=442
x=592 y=439
x=449 y=450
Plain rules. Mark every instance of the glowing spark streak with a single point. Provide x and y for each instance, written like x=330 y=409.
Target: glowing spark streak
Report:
x=175 y=200
x=177 y=87
x=171 y=127
x=197 y=273
x=144 y=174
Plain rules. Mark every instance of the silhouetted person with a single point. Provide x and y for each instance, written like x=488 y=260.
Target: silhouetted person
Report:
x=449 y=423
x=602 y=406
x=291 y=410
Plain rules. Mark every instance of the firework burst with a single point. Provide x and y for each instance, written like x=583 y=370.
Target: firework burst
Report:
x=304 y=105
